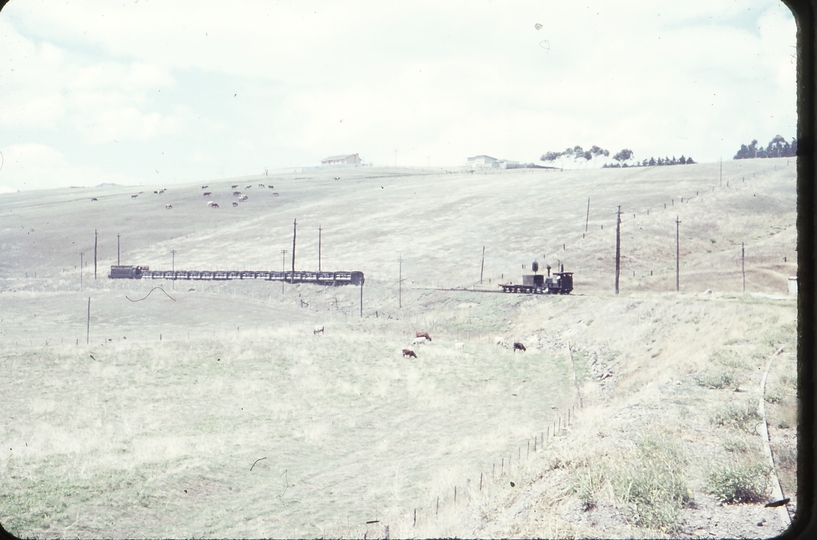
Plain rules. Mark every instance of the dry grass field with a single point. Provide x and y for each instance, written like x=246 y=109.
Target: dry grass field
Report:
x=210 y=409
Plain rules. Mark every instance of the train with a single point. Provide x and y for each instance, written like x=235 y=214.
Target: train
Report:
x=558 y=283
x=320 y=278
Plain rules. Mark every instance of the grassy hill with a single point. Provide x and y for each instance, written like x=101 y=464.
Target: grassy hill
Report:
x=211 y=408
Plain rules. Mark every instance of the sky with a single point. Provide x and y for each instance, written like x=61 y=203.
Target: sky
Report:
x=143 y=92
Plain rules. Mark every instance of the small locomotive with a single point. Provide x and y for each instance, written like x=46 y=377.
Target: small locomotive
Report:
x=558 y=283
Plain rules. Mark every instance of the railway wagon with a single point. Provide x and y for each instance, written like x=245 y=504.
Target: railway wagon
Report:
x=320 y=278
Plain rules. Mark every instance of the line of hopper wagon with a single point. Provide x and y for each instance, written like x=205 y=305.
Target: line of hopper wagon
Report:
x=321 y=278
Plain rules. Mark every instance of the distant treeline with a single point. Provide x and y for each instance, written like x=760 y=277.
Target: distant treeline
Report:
x=581 y=156
x=777 y=147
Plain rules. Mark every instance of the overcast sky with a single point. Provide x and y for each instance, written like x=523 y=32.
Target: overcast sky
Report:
x=150 y=92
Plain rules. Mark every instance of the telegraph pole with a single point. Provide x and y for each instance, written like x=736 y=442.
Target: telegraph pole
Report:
x=319 y=248
x=88 y=323
x=587 y=219
x=94 y=254
x=677 y=257
x=283 y=269
x=618 y=245
x=742 y=266
x=117 y=250
x=294 y=230
x=482 y=266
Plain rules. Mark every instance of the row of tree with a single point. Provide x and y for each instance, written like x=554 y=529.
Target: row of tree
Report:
x=777 y=147
x=578 y=155
x=652 y=162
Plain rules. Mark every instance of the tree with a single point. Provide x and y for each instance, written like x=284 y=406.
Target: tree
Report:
x=623 y=155
x=683 y=160
x=689 y=161
x=652 y=162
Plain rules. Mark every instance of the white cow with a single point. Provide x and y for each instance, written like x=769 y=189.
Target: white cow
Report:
x=168 y=206
x=459 y=346
x=318 y=330
x=419 y=341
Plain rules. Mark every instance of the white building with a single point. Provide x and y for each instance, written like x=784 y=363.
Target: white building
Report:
x=482 y=162
x=345 y=159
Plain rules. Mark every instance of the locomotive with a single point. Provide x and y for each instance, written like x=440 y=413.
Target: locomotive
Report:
x=559 y=283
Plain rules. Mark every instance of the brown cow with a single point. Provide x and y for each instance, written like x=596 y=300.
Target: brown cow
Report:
x=208 y=193
x=409 y=353
x=518 y=346
x=423 y=334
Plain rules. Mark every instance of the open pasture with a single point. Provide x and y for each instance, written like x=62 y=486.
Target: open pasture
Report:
x=222 y=389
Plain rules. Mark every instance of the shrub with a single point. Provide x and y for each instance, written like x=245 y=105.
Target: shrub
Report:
x=718 y=380
x=587 y=481
x=774 y=394
x=652 y=488
x=735 y=444
x=740 y=484
x=741 y=416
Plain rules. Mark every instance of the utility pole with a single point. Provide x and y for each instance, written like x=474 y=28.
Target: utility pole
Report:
x=482 y=266
x=587 y=219
x=677 y=257
x=95 y=254
x=618 y=245
x=742 y=266
x=294 y=230
x=319 y=248
x=117 y=250
x=88 y=323
x=283 y=269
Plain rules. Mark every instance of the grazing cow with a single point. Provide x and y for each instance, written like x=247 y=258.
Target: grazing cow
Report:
x=236 y=193
x=235 y=204
x=261 y=185
x=518 y=346
x=134 y=196
x=419 y=341
x=275 y=193
x=211 y=204
x=248 y=186
x=208 y=193
x=500 y=342
x=168 y=206
x=459 y=346
x=409 y=353
x=156 y=191
x=94 y=199
x=204 y=187
x=423 y=335
x=270 y=186
x=318 y=330
x=337 y=177
x=243 y=198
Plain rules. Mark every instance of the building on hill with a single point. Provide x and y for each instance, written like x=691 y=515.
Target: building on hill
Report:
x=482 y=162
x=345 y=159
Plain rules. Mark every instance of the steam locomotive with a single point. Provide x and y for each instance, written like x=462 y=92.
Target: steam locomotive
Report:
x=558 y=283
